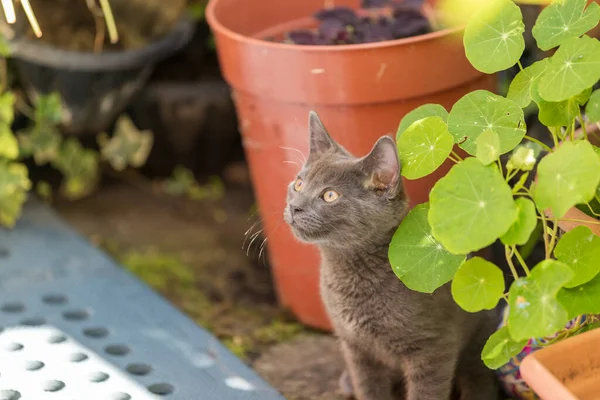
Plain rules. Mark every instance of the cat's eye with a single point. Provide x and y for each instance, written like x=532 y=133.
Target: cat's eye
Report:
x=298 y=185
x=330 y=196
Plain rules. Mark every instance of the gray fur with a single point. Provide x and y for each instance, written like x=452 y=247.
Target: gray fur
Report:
x=397 y=343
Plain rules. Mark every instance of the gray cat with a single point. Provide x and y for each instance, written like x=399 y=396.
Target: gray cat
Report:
x=397 y=343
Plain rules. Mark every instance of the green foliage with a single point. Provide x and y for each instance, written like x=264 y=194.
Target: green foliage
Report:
x=128 y=146
x=564 y=20
x=471 y=207
x=480 y=111
x=420 y=261
x=480 y=200
x=566 y=177
x=478 y=285
x=424 y=111
x=14 y=185
x=494 y=38
x=424 y=146
x=534 y=310
x=183 y=183
x=500 y=348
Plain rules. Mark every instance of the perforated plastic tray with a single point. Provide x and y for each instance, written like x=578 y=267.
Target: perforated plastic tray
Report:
x=76 y=326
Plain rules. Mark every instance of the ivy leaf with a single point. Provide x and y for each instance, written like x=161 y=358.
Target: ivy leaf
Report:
x=534 y=310
x=424 y=111
x=561 y=113
x=80 y=168
x=583 y=299
x=573 y=68
x=471 y=207
x=42 y=142
x=424 y=146
x=520 y=231
x=564 y=20
x=592 y=109
x=481 y=110
x=580 y=249
x=478 y=285
x=493 y=38
x=573 y=171
x=14 y=185
x=48 y=109
x=523 y=158
x=128 y=146
x=417 y=259
x=7 y=107
x=488 y=147
x=9 y=146
x=519 y=90
x=500 y=348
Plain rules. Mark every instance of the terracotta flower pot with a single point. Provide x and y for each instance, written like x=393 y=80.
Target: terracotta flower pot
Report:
x=566 y=370
x=360 y=91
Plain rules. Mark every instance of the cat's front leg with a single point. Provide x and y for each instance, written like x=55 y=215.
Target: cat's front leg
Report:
x=371 y=380
x=430 y=374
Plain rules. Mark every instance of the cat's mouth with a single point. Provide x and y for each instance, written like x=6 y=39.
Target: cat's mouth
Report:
x=298 y=229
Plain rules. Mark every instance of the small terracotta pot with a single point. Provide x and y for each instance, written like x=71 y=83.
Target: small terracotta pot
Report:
x=361 y=92
x=566 y=370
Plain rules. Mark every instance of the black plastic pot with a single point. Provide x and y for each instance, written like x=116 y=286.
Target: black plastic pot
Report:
x=95 y=88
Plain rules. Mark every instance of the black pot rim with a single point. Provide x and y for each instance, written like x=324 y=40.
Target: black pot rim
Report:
x=38 y=53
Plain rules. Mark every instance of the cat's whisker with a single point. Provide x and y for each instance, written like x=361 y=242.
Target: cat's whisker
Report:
x=296 y=150
x=291 y=162
x=253 y=238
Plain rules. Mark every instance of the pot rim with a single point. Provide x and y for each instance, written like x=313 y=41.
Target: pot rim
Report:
x=50 y=56
x=215 y=24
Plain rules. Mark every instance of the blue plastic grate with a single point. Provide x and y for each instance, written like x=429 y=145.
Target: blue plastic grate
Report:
x=87 y=328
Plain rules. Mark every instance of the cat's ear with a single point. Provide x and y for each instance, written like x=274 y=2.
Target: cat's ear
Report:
x=383 y=166
x=320 y=141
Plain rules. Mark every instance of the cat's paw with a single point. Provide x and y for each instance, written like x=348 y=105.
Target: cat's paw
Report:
x=345 y=384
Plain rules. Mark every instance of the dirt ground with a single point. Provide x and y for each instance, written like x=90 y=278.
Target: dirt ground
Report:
x=191 y=251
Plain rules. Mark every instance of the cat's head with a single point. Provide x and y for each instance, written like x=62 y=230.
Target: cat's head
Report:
x=339 y=200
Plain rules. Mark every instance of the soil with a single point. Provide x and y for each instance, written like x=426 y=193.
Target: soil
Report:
x=70 y=25
x=191 y=252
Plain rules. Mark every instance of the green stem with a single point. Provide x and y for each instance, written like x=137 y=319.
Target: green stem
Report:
x=583 y=129
x=534 y=140
x=521 y=261
x=554 y=233
x=456 y=155
x=110 y=21
x=592 y=210
x=520 y=65
x=508 y=256
x=545 y=234
x=453 y=159
x=554 y=137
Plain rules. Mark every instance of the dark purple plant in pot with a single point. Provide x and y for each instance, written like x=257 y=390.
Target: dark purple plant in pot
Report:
x=376 y=21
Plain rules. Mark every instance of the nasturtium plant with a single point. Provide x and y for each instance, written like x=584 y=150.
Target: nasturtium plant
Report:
x=471 y=207
x=494 y=38
x=563 y=20
x=419 y=260
x=424 y=111
x=513 y=187
x=424 y=146
x=480 y=111
x=478 y=285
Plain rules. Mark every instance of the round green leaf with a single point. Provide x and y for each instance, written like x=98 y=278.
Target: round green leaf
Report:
x=519 y=90
x=420 y=261
x=493 y=38
x=584 y=299
x=592 y=109
x=567 y=177
x=563 y=20
x=14 y=185
x=579 y=249
x=488 y=147
x=534 y=310
x=560 y=113
x=520 y=231
x=573 y=68
x=9 y=145
x=471 y=207
x=478 y=285
x=481 y=110
x=424 y=146
x=500 y=348
x=424 y=111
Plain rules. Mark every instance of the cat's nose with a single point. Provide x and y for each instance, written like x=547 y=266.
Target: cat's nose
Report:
x=296 y=210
